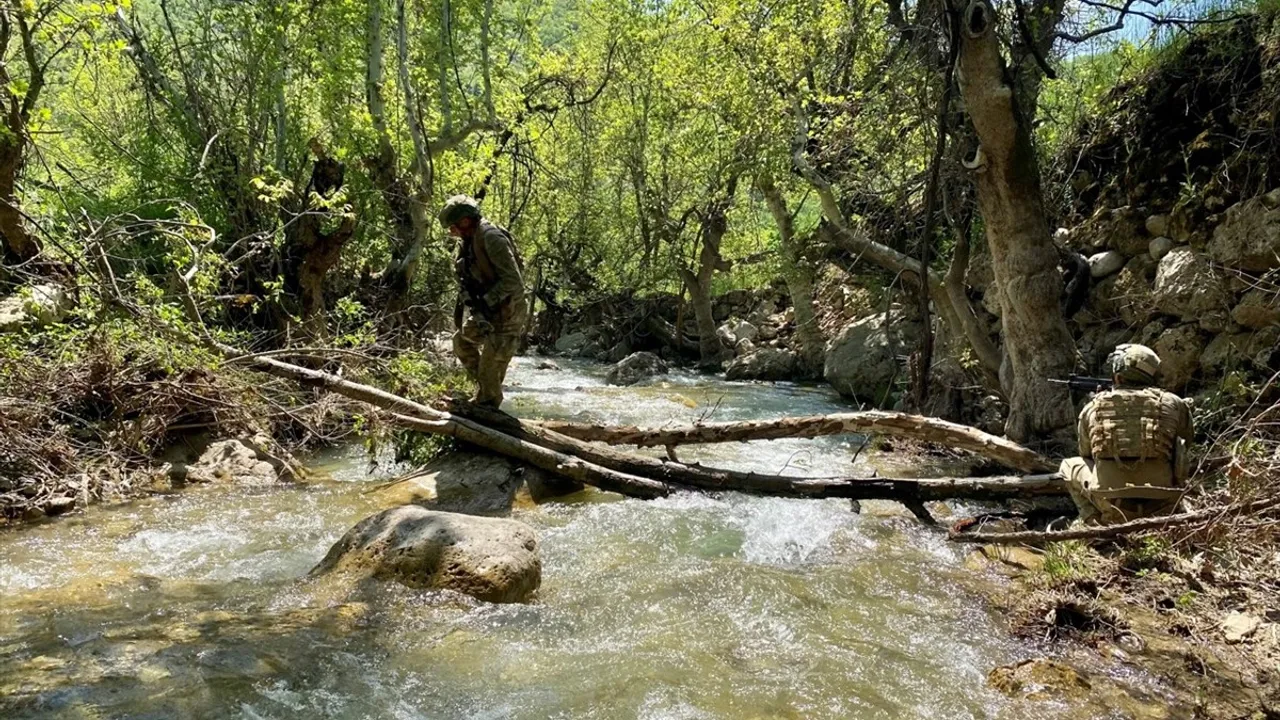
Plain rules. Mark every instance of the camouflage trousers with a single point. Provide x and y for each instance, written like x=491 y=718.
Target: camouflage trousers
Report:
x=1140 y=497
x=485 y=349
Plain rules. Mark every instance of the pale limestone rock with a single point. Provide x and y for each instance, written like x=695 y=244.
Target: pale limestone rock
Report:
x=1157 y=226
x=1238 y=626
x=1257 y=309
x=1249 y=237
x=1187 y=287
x=1105 y=263
x=1180 y=349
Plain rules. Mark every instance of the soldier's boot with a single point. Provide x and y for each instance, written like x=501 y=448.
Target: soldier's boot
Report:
x=498 y=350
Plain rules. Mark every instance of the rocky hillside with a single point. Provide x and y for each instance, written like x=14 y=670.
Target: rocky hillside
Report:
x=1177 y=207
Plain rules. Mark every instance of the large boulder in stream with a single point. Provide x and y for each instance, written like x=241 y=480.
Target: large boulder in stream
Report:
x=636 y=367
x=862 y=361
x=763 y=364
x=493 y=559
x=571 y=343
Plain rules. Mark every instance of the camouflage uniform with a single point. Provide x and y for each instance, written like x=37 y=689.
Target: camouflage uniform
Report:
x=1132 y=445
x=489 y=271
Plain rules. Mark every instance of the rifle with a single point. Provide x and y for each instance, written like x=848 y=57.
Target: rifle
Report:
x=1081 y=383
x=472 y=292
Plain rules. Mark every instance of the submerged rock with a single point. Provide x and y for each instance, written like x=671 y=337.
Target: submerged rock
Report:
x=763 y=364
x=1038 y=679
x=636 y=367
x=492 y=559
x=475 y=483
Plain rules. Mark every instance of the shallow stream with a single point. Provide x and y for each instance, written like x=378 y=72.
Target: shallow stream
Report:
x=196 y=605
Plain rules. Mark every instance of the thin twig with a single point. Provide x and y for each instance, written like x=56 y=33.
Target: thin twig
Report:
x=1107 y=531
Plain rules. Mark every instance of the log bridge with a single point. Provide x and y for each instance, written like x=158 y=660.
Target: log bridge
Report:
x=589 y=453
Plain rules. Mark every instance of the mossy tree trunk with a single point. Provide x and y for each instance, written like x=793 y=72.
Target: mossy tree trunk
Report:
x=798 y=274
x=1037 y=343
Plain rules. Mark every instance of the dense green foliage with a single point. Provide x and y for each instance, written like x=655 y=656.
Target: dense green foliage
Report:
x=599 y=132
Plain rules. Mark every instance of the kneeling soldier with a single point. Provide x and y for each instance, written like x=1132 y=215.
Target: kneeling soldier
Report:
x=1132 y=444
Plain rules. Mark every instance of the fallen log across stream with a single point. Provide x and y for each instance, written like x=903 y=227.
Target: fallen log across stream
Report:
x=919 y=427
x=634 y=474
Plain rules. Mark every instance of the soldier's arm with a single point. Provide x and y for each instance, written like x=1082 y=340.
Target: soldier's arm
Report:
x=503 y=258
x=1186 y=428
x=1083 y=426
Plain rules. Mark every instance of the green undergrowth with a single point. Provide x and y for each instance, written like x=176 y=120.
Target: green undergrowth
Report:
x=89 y=406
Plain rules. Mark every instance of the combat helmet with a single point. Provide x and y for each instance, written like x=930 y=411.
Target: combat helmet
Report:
x=1134 y=364
x=456 y=208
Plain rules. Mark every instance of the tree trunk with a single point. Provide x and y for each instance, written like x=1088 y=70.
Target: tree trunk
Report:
x=19 y=245
x=444 y=62
x=715 y=223
x=956 y=312
x=312 y=251
x=671 y=336
x=1188 y=520
x=1036 y=341
x=405 y=204
x=679 y=476
x=811 y=344
x=710 y=352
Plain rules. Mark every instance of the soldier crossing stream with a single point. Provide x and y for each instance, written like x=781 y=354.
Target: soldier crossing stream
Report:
x=688 y=606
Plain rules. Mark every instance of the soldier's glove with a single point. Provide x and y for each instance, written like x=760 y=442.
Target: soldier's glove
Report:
x=484 y=326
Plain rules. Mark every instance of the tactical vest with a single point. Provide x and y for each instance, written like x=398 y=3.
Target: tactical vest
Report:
x=475 y=269
x=1132 y=425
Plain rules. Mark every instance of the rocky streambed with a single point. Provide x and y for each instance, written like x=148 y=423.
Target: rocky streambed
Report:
x=199 y=604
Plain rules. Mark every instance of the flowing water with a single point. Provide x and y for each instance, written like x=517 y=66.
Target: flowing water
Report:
x=196 y=605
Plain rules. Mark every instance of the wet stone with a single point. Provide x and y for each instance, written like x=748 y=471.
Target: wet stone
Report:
x=1038 y=679
x=487 y=558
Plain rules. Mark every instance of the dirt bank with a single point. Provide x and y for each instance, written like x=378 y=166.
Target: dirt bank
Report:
x=1150 y=635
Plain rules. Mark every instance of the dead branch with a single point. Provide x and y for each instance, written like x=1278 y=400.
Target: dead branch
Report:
x=1107 y=531
x=898 y=424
